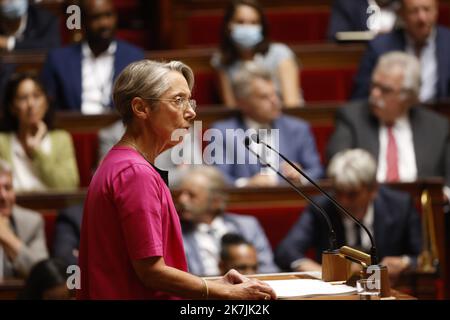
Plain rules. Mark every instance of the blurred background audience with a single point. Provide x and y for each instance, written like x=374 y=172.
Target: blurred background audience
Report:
x=239 y=254
x=41 y=158
x=255 y=63
x=47 y=281
x=390 y=216
x=245 y=37
x=79 y=77
x=261 y=112
x=22 y=238
x=201 y=206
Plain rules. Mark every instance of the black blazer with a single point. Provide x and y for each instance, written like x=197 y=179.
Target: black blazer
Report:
x=356 y=127
x=41 y=32
x=397 y=229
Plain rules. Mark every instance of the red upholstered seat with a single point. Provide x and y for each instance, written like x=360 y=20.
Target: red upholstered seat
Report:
x=327 y=84
x=206 y=88
x=86 y=150
x=276 y=222
x=293 y=25
x=290 y=25
x=322 y=134
x=138 y=37
x=49 y=226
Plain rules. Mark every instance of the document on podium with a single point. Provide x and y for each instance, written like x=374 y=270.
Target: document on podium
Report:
x=308 y=288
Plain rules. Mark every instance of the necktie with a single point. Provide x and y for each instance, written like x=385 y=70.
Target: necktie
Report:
x=392 y=158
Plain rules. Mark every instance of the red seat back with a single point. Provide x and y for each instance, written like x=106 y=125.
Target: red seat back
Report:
x=276 y=221
x=86 y=150
x=327 y=84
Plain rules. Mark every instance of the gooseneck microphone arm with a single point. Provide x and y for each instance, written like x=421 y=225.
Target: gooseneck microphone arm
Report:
x=373 y=250
x=333 y=244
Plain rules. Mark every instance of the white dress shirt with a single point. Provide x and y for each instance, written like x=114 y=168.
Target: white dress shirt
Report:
x=381 y=20
x=25 y=174
x=97 y=75
x=428 y=65
x=208 y=238
x=407 y=166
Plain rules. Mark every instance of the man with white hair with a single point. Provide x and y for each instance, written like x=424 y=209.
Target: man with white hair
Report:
x=409 y=141
x=390 y=216
x=22 y=238
x=420 y=36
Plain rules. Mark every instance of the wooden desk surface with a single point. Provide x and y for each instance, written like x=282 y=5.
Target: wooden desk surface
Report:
x=396 y=295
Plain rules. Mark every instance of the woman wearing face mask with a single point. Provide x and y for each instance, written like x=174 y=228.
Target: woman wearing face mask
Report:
x=24 y=26
x=244 y=39
x=41 y=158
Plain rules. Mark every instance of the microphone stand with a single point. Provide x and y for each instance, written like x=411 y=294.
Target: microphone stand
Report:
x=334 y=266
x=369 y=262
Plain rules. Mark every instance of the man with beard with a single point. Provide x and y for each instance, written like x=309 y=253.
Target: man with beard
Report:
x=80 y=77
x=201 y=206
x=408 y=140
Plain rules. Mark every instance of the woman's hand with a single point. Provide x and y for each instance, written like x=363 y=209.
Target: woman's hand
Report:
x=33 y=141
x=247 y=288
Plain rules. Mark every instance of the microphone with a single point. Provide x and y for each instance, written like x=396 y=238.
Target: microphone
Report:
x=332 y=239
x=373 y=250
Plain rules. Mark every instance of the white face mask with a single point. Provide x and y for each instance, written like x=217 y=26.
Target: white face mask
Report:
x=14 y=9
x=246 y=35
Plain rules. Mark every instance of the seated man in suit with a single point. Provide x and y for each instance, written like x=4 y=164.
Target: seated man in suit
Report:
x=420 y=36
x=378 y=16
x=390 y=216
x=80 y=77
x=408 y=140
x=22 y=238
x=66 y=241
x=261 y=112
x=24 y=26
x=201 y=206
x=238 y=254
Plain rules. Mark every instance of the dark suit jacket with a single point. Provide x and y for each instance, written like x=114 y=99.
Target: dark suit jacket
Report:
x=67 y=234
x=347 y=15
x=296 y=142
x=41 y=32
x=395 y=41
x=61 y=73
x=356 y=127
x=396 y=228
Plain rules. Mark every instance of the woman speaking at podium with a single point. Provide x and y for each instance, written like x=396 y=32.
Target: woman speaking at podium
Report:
x=131 y=244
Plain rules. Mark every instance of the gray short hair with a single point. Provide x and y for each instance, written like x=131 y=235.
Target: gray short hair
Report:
x=408 y=64
x=5 y=167
x=243 y=79
x=352 y=169
x=216 y=180
x=146 y=79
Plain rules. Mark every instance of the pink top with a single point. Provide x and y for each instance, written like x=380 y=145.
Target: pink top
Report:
x=128 y=215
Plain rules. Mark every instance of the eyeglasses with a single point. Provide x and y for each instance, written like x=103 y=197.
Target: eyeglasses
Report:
x=385 y=90
x=180 y=102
